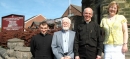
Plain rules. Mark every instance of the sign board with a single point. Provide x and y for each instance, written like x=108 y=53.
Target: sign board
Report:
x=13 y=22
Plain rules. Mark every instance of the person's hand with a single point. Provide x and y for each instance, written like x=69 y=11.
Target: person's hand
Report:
x=98 y=57
x=62 y=57
x=77 y=57
x=67 y=57
x=124 y=48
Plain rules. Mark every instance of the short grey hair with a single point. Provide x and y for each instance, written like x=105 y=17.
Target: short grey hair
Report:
x=66 y=18
x=87 y=9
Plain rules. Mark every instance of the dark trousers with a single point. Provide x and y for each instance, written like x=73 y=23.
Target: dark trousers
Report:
x=87 y=52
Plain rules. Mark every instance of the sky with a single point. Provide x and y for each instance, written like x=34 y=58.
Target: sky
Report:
x=50 y=9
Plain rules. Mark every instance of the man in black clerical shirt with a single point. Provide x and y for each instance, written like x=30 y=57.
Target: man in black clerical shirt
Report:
x=88 y=43
x=41 y=43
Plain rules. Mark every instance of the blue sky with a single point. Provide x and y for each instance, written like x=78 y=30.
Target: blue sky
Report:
x=50 y=9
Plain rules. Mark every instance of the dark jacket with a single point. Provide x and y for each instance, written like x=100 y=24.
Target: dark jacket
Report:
x=88 y=34
x=41 y=46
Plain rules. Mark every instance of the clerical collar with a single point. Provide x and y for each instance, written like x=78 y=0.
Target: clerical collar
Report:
x=43 y=34
x=88 y=22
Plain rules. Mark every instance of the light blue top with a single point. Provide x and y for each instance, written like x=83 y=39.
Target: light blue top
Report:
x=65 y=36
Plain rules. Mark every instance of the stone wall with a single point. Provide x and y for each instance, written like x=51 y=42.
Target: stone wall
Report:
x=15 y=50
x=129 y=39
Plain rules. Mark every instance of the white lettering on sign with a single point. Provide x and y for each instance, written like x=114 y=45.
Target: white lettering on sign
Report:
x=13 y=19
x=12 y=28
x=12 y=24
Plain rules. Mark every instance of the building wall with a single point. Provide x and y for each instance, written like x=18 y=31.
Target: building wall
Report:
x=38 y=18
x=73 y=11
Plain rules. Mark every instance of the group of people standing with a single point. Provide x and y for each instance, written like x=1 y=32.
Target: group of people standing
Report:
x=86 y=42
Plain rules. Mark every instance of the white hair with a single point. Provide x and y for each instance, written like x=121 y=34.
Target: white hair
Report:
x=66 y=18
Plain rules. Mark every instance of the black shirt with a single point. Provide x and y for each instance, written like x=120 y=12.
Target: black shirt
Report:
x=41 y=46
x=88 y=34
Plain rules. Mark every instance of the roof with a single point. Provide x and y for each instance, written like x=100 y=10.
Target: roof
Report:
x=76 y=10
x=33 y=18
x=79 y=8
x=13 y=15
x=37 y=23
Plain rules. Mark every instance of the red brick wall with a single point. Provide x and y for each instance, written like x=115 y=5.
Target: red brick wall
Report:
x=39 y=18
